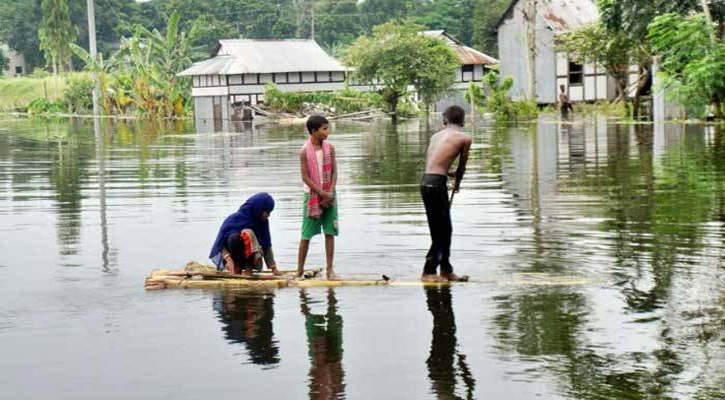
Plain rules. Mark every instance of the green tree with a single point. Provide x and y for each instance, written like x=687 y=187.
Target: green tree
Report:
x=630 y=19
x=18 y=20
x=486 y=14
x=693 y=59
x=438 y=73
x=592 y=44
x=397 y=56
x=211 y=30
x=453 y=16
x=337 y=22
x=378 y=12
x=111 y=20
x=56 y=33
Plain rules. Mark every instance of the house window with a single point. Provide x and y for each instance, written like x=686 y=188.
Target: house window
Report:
x=576 y=73
x=19 y=70
x=467 y=72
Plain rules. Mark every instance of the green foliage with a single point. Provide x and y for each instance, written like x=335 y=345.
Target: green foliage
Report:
x=39 y=73
x=475 y=95
x=486 y=14
x=593 y=44
x=438 y=72
x=339 y=22
x=693 y=66
x=19 y=21
x=56 y=33
x=497 y=100
x=450 y=15
x=343 y=101
x=397 y=56
x=43 y=106
x=78 y=96
x=142 y=74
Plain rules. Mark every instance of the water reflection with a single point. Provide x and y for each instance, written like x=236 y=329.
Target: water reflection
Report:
x=447 y=366
x=324 y=345
x=246 y=319
x=637 y=212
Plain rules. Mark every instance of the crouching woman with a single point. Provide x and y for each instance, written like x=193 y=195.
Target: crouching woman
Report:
x=243 y=240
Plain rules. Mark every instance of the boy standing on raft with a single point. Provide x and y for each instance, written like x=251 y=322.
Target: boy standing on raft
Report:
x=318 y=167
x=445 y=146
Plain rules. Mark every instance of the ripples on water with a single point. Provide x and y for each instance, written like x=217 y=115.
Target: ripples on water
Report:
x=597 y=248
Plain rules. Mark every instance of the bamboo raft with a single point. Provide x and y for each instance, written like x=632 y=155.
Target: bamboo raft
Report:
x=200 y=276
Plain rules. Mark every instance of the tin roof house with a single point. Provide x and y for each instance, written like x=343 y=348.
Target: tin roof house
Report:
x=553 y=68
x=474 y=65
x=239 y=69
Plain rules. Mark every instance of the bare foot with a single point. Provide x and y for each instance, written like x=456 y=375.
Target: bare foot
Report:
x=332 y=276
x=246 y=272
x=432 y=278
x=275 y=271
x=451 y=277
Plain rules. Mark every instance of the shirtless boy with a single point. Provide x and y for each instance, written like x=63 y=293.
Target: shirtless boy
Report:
x=445 y=146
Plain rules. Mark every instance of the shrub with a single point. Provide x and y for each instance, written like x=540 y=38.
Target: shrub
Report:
x=494 y=98
x=342 y=101
x=39 y=73
x=78 y=93
x=45 y=106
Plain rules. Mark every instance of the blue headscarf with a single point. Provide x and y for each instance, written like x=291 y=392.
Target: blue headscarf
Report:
x=248 y=217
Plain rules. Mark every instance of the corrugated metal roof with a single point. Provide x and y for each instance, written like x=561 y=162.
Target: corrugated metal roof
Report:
x=466 y=54
x=567 y=15
x=259 y=56
x=562 y=15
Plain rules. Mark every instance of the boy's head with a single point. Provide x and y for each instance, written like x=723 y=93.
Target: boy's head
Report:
x=454 y=115
x=316 y=123
x=562 y=87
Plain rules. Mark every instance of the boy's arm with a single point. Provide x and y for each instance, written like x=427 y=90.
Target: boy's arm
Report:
x=462 y=160
x=306 y=176
x=333 y=182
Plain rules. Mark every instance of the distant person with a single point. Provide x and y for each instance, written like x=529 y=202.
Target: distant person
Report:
x=318 y=167
x=445 y=146
x=564 y=103
x=244 y=240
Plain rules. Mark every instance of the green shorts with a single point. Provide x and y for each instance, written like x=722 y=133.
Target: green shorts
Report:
x=326 y=223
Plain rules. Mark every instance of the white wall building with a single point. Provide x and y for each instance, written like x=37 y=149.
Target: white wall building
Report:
x=16 y=65
x=553 y=68
x=237 y=73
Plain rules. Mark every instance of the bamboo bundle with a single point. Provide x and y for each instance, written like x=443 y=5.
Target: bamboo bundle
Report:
x=196 y=275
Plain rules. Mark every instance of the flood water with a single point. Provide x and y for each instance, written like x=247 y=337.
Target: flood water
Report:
x=596 y=249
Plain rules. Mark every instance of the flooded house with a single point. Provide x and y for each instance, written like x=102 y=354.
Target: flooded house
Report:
x=474 y=65
x=237 y=73
x=585 y=82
